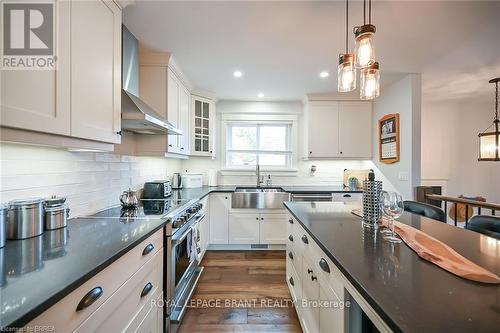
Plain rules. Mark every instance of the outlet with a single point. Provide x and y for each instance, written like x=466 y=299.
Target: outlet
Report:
x=403 y=176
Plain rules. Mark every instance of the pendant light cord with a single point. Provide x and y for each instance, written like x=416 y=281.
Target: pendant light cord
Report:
x=496 y=101
x=369 y=11
x=347 y=26
x=364 y=12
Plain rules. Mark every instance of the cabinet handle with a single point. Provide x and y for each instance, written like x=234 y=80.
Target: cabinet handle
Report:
x=310 y=152
x=290 y=238
x=147 y=288
x=257 y=218
x=262 y=219
x=347 y=195
x=324 y=265
x=313 y=278
x=182 y=148
x=340 y=153
x=210 y=152
x=305 y=240
x=290 y=255
x=148 y=249
x=225 y=198
x=290 y=221
x=291 y=281
x=309 y=271
x=170 y=145
x=119 y=132
x=89 y=298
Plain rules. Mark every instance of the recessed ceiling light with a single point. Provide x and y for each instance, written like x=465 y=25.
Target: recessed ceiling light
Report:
x=324 y=74
x=237 y=74
x=260 y=95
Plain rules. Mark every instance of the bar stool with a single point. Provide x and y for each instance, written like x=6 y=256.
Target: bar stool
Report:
x=486 y=225
x=424 y=209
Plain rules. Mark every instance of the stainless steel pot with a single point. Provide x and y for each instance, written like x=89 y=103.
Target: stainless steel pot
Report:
x=3 y=225
x=25 y=218
x=129 y=199
x=56 y=217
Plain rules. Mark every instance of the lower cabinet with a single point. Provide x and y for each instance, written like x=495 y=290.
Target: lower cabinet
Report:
x=219 y=217
x=255 y=228
x=205 y=225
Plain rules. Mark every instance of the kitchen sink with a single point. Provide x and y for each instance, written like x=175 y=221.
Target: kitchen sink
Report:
x=259 y=198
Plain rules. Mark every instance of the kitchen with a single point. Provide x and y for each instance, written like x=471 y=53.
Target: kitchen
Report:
x=167 y=174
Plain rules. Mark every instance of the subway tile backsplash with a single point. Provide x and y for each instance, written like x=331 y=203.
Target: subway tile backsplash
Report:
x=91 y=181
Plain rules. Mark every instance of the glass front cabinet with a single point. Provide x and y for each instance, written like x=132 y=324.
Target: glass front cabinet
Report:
x=203 y=133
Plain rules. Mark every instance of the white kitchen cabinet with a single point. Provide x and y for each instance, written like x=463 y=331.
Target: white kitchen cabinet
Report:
x=323 y=129
x=153 y=322
x=331 y=318
x=355 y=130
x=184 y=120
x=82 y=98
x=348 y=197
x=96 y=41
x=219 y=218
x=203 y=127
x=39 y=100
x=173 y=89
x=244 y=228
x=339 y=129
x=272 y=229
x=205 y=225
x=310 y=294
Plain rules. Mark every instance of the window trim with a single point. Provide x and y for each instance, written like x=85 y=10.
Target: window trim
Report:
x=260 y=119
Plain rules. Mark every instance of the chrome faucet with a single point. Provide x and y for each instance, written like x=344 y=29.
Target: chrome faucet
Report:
x=259 y=180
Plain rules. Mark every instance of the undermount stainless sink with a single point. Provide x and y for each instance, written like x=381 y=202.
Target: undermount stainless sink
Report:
x=259 y=197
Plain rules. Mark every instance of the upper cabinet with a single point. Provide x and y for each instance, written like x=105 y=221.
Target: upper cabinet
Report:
x=203 y=129
x=96 y=35
x=81 y=98
x=163 y=87
x=339 y=129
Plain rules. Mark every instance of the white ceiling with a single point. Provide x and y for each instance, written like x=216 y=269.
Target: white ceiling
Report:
x=282 y=46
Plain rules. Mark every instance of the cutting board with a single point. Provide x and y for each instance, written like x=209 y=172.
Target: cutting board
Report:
x=359 y=174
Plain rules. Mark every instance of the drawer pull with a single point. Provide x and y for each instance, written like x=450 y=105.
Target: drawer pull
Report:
x=291 y=281
x=313 y=278
x=147 y=288
x=347 y=195
x=89 y=298
x=305 y=240
x=290 y=238
x=290 y=255
x=309 y=271
x=324 y=265
x=290 y=221
x=148 y=249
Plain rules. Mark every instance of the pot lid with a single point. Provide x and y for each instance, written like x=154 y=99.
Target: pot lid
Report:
x=55 y=201
x=23 y=202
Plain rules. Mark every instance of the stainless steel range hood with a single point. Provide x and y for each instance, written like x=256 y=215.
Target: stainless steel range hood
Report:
x=137 y=116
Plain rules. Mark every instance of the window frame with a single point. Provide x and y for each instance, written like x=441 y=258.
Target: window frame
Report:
x=287 y=152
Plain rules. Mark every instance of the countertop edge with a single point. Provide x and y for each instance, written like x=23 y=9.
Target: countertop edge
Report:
x=359 y=288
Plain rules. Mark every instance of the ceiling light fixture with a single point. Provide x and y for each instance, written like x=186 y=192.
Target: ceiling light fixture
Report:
x=260 y=95
x=237 y=74
x=370 y=82
x=346 y=74
x=364 y=49
x=489 y=142
x=324 y=74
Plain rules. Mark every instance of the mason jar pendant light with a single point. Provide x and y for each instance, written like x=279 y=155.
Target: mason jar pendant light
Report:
x=370 y=82
x=346 y=75
x=489 y=142
x=364 y=49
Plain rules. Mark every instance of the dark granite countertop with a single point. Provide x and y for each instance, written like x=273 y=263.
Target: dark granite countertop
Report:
x=409 y=294
x=91 y=246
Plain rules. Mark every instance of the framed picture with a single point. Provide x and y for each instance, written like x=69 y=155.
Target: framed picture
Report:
x=389 y=138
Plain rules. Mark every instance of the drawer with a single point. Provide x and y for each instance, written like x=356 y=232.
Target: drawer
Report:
x=118 y=311
x=328 y=273
x=293 y=258
x=290 y=224
x=64 y=316
x=348 y=197
x=294 y=283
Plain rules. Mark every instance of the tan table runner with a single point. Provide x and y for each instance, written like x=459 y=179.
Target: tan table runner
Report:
x=440 y=254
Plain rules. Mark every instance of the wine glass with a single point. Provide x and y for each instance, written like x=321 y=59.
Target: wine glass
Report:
x=392 y=206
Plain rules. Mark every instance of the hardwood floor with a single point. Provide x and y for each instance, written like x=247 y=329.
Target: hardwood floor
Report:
x=242 y=291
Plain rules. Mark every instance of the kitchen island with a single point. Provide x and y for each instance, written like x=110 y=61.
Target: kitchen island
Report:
x=407 y=293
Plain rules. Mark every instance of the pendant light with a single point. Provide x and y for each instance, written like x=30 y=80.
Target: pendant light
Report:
x=346 y=75
x=370 y=82
x=489 y=142
x=364 y=49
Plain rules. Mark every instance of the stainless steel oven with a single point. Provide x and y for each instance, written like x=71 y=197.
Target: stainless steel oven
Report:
x=183 y=270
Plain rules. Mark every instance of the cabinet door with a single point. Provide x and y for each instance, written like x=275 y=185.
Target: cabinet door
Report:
x=244 y=228
x=310 y=294
x=205 y=224
x=173 y=87
x=153 y=321
x=273 y=228
x=39 y=100
x=202 y=127
x=355 y=129
x=331 y=318
x=323 y=129
x=219 y=216
x=184 y=116
x=96 y=70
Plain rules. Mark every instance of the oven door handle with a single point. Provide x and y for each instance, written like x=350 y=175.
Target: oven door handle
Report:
x=182 y=237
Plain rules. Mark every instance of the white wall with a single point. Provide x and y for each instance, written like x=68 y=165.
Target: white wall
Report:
x=91 y=181
x=403 y=97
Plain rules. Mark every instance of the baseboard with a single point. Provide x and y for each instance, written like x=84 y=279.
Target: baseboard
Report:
x=246 y=247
